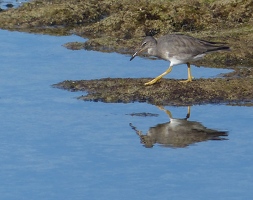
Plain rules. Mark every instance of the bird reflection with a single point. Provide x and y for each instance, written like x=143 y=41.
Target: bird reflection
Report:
x=178 y=133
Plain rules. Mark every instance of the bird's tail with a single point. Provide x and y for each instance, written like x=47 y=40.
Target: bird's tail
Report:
x=215 y=46
x=219 y=48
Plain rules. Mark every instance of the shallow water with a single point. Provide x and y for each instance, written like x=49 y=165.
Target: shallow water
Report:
x=53 y=146
x=11 y=3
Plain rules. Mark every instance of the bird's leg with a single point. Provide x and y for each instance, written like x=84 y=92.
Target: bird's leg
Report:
x=159 y=77
x=190 y=77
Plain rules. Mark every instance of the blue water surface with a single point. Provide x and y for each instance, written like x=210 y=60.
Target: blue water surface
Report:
x=5 y=4
x=53 y=146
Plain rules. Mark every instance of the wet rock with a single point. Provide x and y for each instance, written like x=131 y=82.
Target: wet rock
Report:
x=9 y=5
x=166 y=92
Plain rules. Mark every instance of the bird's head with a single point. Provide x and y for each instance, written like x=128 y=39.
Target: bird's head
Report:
x=147 y=43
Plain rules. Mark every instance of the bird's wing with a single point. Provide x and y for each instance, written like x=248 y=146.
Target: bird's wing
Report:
x=183 y=45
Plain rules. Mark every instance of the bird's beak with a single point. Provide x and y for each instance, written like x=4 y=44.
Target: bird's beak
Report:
x=135 y=54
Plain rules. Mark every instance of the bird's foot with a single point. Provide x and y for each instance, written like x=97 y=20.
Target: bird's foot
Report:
x=153 y=81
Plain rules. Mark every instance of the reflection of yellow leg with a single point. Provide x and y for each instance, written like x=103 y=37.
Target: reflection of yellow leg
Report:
x=170 y=115
x=188 y=112
x=190 y=77
x=159 y=77
x=167 y=111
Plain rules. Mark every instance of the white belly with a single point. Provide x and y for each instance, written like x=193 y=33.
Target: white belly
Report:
x=177 y=60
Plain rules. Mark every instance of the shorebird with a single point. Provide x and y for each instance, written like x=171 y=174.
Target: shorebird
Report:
x=178 y=133
x=178 y=49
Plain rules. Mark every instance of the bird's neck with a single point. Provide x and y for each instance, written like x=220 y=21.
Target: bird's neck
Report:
x=152 y=51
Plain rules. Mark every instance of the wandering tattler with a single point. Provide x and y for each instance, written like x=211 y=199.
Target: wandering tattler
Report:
x=178 y=49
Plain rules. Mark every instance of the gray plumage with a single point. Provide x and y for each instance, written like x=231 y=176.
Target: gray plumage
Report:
x=178 y=49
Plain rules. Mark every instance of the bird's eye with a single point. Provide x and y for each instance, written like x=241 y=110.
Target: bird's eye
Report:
x=144 y=43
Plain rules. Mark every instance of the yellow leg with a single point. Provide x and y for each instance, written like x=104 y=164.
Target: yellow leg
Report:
x=159 y=77
x=190 y=77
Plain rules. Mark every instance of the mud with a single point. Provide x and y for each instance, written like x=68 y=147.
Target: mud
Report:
x=233 y=89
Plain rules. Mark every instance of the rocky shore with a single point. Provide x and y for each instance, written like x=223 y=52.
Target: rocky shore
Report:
x=118 y=26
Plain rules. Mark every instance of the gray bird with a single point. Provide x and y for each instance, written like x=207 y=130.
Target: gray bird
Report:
x=178 y=49
x=178 y=133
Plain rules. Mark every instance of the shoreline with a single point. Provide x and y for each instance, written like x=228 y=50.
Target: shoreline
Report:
x=119 y=27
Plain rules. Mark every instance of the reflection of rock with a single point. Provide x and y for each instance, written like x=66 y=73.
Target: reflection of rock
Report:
x=178 y=133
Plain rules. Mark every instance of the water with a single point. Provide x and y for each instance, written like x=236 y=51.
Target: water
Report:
x=53 y=146
x=11 y=3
